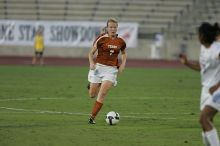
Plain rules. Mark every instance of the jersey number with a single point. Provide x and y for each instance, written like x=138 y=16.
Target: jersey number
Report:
x=111 y=52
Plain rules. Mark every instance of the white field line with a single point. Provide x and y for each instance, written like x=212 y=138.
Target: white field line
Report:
x=129 y=115
x=20 y=110
x=42 y=111
x=44 y=98
x=66 y=98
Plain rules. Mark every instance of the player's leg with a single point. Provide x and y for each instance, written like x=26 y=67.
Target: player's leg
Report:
x=94 y=89
x=88 y=86
x=34 y=59
x=205 y=96
x=94 y=83
x=104 y=88
x=41 y=58
x=204 y=139
x=210 y=133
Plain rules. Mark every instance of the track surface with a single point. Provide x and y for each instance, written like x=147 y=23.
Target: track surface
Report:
x=56 y=61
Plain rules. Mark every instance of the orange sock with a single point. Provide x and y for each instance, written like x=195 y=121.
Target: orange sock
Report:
x=96 y=108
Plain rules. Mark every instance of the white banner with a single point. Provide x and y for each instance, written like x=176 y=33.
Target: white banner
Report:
x=61 y=33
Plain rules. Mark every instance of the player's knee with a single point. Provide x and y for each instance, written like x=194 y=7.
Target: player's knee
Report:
x=201 y=120
x=92 y=94
x=103 y=94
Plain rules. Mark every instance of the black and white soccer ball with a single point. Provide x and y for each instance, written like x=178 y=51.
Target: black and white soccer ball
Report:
x=112 y=118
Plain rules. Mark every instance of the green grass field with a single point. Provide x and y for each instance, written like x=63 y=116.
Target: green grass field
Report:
x=49 y=106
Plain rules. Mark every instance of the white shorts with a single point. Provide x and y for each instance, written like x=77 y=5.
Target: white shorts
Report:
x=103 y=73
x=215 y=100
x=208 y=99
x=205 y=96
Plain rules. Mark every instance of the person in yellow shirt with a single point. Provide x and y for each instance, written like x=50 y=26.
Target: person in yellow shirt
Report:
x=38 y=47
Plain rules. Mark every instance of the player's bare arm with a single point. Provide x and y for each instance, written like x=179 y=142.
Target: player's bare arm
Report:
x=193 y=65
x=90 y=55
x=123 y=61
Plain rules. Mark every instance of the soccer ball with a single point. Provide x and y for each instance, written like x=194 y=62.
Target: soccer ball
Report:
x=112 y=118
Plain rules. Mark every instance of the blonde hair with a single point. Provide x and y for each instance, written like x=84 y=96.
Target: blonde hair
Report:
x=112 y=20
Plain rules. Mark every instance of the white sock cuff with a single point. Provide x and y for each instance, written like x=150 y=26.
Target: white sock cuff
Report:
x=212 y=137
x=204 y=139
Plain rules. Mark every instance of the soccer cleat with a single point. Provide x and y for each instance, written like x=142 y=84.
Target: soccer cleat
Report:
x=91 y=121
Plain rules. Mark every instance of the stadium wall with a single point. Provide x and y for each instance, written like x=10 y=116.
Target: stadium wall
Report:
x=170 y=50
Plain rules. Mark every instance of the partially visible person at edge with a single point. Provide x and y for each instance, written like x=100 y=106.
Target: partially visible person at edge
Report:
x=209 y=67
x=38 y=47
x=105 y=67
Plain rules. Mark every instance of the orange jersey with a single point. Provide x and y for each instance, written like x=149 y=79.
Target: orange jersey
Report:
x=108 y=49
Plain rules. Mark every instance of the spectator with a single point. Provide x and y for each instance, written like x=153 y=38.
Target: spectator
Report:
x=38 y=47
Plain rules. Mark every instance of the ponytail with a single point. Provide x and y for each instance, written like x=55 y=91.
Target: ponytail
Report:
x=217 y=28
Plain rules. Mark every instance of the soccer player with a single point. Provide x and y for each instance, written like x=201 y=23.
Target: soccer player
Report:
x=38 y=47
x=209 y=67
x=105 y=67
